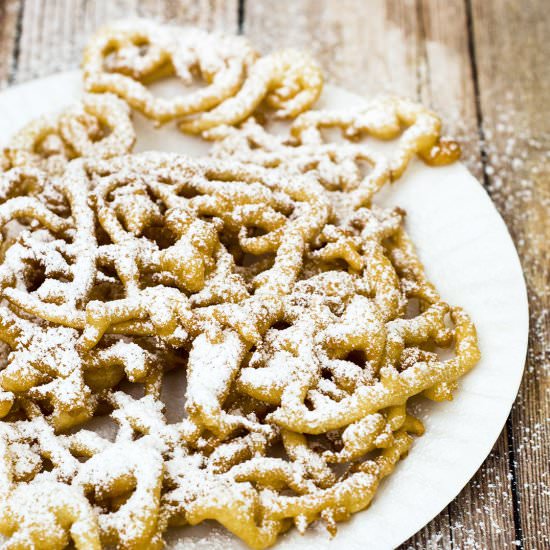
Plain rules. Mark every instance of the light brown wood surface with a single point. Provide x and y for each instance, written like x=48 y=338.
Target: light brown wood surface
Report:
x=484 y=66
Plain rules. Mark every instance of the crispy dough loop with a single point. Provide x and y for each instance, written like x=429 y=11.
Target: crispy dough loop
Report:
x=45 y=364
x=340 y=165
x=107 y=477
x=351 y=172
x=123 y=58
x=68 y=517
x=288 y=80
x=386 y=118
x=393 y=389
x=99 y=126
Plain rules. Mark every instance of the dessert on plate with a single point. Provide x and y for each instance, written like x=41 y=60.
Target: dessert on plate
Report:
x=296 y=309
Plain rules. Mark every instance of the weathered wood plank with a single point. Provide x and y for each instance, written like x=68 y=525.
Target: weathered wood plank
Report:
x=9 y=12
x=420 y=50
x=367 y=54
x=445 y=79
x=482 y=516
x=512 y=52
x=54 y=32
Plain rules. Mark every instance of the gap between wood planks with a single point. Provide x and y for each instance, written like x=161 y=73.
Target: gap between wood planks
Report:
x=483 y=152
x=241 y=15
x=17 y=45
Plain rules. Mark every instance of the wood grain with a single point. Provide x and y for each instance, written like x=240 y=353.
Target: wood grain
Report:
x=482 y=516
x=9 y=12
x=512 y=52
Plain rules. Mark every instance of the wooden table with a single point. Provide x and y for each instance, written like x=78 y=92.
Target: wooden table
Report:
x=484 y=65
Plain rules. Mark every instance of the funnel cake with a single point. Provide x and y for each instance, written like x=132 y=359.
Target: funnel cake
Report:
x=123 y=59
x=296 y=311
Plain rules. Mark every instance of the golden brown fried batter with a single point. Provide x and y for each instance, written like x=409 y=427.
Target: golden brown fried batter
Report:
x=297 y=312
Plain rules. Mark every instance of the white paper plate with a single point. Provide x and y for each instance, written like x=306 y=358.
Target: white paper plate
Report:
x=470 y=257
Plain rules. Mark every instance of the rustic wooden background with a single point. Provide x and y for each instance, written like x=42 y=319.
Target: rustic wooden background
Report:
x=484 y=65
